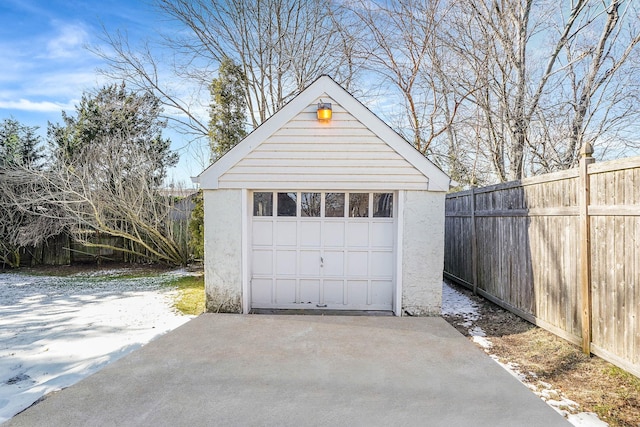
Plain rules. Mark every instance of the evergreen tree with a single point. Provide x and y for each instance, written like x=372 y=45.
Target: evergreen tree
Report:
x=226 y=128
x=113 y=114
x=19 y=144
x=109 y=160
x=196 y=228
x=228 y=109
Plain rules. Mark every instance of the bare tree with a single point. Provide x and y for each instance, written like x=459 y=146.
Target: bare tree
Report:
x=490 y=89
x=603 y=96
x=84 y=200
x=538 y=63
x=11 y=222
x=103 y=179
x=144 y=70
x=19 y=147
x=399 y=41
x=494 y=38
x=25 y=224
x=281 y=46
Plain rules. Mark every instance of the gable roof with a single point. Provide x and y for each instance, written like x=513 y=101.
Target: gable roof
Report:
x=325 y=86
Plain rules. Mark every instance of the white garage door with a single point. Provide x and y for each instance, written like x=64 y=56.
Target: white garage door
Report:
x=331 y=250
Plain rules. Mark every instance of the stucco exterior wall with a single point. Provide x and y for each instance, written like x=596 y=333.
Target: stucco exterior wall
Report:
x=223 y=250
x=423 y=252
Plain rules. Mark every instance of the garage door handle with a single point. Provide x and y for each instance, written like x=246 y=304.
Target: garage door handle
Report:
x=321 y=305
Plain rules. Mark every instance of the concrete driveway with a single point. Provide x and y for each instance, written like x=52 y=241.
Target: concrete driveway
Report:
x=262 y=370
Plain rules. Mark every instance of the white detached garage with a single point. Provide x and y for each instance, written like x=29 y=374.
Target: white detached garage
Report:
x=338 y=213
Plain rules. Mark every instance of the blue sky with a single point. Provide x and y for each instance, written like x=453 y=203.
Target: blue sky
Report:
x=46 y=65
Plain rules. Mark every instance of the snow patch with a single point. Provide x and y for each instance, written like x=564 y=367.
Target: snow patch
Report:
x=455 y=303
x=586 y=419
x=482 y=342
x=54 y=331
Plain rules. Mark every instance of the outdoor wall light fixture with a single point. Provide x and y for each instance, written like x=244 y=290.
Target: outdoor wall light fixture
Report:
x=324 y=111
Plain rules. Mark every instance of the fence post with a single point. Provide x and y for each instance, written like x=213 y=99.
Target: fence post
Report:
x=586 y=159
x=474 y=243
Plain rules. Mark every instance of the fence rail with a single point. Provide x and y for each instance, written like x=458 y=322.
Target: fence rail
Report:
x=561 y=250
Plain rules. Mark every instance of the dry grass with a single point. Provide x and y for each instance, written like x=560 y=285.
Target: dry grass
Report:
x=190 y=299
x=596 y=385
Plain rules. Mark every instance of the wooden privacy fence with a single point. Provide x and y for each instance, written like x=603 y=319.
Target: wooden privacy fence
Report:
x=561 y=250
x=63 y=250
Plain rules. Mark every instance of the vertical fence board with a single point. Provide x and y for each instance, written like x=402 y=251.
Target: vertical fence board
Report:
x=635 y=290
x=628 y=260
x=597 y=235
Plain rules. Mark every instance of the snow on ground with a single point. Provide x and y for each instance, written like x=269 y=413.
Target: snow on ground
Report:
x=455 y=303
x=54 y=331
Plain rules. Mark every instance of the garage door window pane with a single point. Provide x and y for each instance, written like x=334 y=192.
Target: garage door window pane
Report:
x=310 y=204
x=262 y=204
x=287 y=204
x=334 y=205
x=382 y=205
x=359 y=205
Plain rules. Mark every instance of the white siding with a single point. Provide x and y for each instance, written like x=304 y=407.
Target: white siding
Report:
x=339 y=154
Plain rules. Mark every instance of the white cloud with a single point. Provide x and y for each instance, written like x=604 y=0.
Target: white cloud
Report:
x=64 y=83
x=69 y=41
x=40 y=106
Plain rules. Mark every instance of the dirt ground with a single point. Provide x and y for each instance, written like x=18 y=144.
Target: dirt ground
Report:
x=551 y=365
